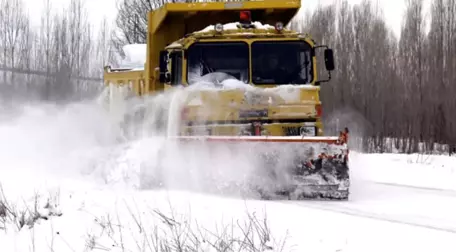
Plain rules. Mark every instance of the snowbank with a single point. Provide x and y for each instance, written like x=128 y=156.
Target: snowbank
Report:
x=126 y=220
x=235 y=25
x=416 y=170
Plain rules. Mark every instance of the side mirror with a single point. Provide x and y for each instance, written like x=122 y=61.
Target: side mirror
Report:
x=329 y=59
x=163 y=66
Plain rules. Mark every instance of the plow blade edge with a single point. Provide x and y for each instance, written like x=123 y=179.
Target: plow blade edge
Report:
x=287 y=167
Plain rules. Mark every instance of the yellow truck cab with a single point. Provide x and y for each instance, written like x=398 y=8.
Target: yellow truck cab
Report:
x=234 y=47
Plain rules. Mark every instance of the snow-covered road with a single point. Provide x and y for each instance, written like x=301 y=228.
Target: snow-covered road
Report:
x=398 y=202
x=427 y=208
x=380 y=216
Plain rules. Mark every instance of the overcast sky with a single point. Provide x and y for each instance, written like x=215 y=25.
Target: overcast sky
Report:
x=393 y=9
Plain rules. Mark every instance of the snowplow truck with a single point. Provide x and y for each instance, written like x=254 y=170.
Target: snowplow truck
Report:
x=260 y=90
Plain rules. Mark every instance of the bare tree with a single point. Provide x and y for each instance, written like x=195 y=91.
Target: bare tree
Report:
x=103 y=50
x=131 y=21
x=14 y=27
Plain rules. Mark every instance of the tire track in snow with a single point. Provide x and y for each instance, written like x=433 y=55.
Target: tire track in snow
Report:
x=422 y=188
x=363 y=214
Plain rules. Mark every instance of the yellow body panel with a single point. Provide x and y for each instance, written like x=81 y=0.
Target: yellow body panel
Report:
x=225 y=105
x=136 y=79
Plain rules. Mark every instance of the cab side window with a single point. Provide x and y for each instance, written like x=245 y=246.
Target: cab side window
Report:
x=176 y=68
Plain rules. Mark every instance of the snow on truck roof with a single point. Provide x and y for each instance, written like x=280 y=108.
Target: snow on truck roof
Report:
x=135 y=56
x=234 y=26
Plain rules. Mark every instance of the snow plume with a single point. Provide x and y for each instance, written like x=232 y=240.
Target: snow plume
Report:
x=124 y=140
x=114 y=140
x=354 y=120
x=152 y=158
x=47 y=139
x=149 y=158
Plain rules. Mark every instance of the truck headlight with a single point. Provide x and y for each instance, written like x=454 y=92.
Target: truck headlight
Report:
x=218 y=27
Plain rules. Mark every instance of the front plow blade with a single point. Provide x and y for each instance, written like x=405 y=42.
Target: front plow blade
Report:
x=291 y=167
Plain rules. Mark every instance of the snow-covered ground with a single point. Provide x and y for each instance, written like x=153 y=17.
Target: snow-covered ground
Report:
x=64 y=168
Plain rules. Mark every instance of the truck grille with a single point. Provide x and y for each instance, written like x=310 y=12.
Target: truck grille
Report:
x=291 y=131
x=294 y=130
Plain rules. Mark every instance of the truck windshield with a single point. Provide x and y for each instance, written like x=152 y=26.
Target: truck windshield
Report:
x=284 y=62
x=229 y=60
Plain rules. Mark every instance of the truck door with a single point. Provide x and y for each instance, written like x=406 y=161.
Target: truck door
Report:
x=176 y=68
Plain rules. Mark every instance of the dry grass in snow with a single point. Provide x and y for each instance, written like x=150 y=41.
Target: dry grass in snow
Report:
x=19 y=217
x=133 y=228
x=173 y=233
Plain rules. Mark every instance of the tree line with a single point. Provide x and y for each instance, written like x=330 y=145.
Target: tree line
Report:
x=388 y=87
x=60 y=61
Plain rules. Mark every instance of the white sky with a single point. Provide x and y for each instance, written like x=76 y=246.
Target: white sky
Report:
x=393 y=9
x=97 y=9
